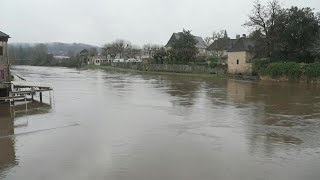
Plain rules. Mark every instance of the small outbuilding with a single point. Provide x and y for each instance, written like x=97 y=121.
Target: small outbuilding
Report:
x=98 y=60
x=241 y=55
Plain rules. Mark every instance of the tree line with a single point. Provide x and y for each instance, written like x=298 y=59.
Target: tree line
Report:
x=280 y=34
x=285 y=34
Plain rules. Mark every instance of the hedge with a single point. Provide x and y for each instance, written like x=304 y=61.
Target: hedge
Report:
x=292 y=70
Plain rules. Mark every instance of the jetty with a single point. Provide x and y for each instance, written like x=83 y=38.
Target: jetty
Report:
x=17 y=91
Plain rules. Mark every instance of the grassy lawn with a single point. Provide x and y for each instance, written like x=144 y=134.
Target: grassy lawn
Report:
x=110 y=68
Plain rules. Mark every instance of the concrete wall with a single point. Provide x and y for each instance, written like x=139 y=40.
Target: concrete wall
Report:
x=240 y=62
x=169 y=68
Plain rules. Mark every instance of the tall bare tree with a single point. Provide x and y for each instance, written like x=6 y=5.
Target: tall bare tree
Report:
x=220 y=43
x=263 y=18
x=115 y=48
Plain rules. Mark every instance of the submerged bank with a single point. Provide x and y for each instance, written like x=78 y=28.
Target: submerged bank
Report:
x=112 y=68
x=191 y=74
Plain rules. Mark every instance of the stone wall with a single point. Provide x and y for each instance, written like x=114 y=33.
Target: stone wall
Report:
x=169 y=68
x=239 y=62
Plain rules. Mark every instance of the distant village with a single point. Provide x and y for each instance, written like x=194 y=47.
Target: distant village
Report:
x=237 y=53
x=283 y=42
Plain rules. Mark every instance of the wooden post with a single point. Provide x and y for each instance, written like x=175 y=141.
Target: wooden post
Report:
x=50 y=98
x=41 y=97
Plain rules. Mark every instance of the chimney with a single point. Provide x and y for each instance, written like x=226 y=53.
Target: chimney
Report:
x=244 y=35
x=238 y=36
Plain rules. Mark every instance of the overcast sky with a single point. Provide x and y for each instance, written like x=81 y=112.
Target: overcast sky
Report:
x=140 y=21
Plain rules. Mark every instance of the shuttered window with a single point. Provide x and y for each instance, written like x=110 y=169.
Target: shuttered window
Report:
x=1 y=50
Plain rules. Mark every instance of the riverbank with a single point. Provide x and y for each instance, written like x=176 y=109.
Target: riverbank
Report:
x=288 y=71
x=111 y=68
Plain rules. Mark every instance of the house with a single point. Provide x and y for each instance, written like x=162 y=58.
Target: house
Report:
x=201 y=45
x=240 y=56
x=220 y=47
x=5 y=78
x=98 y=60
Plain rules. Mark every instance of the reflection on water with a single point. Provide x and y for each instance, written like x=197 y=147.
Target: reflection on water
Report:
x=150 y=127
x=7 y=129
x=7 y=149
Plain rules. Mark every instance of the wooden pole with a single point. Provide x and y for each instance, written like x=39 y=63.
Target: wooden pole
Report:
x=41 y=97
x=50 y=99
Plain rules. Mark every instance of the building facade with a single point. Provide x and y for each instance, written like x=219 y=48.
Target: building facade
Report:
x=4 y=65
x=240 y=56
x=98 y=60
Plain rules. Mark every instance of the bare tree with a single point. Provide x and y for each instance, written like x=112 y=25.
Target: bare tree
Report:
x=115 y=48
x=151 y=49
x=132 y=51
x=220 y=44
x=208 y=41
x=263 y=18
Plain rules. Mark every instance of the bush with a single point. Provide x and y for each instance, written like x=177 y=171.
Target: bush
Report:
x=212 y=59
x=312 y=71
x=213 y=64
x=258 y=65
x=292 y=70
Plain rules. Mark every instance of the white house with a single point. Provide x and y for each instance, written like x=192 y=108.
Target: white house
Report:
x=98 y=60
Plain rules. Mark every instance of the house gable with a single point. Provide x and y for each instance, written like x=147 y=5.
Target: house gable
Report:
x=175 y=36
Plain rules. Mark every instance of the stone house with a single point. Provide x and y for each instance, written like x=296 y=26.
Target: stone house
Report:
x=201 y=45
x=240 y=56
x=4 y=64
x=98 y=60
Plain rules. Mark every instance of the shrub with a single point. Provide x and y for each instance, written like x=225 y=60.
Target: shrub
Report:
x=312 y=71
x=291 y=69
x=258 y=65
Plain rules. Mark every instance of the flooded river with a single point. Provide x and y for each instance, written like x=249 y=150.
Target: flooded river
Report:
x=126 y=126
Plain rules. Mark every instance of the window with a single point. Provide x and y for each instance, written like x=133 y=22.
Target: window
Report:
x=237 y=61
x=1 y=50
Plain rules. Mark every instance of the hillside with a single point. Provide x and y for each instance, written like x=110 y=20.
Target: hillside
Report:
x=60 y=49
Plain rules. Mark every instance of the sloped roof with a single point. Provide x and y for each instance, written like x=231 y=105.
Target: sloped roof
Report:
x=3 y=36
x=214 y=45
x=99 y=57
x=175 y=36
x=243 y=44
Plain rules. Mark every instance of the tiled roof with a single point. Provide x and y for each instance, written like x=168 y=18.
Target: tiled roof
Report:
x=243 y=44
x=229 y=44
x=200 y=42
x=4 y=37
x=2 y=34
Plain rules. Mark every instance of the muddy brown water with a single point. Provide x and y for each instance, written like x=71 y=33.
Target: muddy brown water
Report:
x=128 y=126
